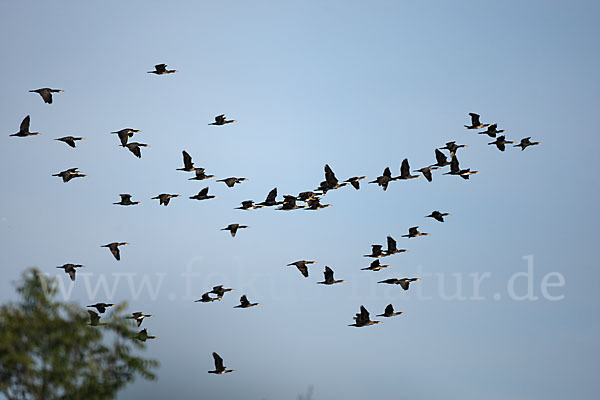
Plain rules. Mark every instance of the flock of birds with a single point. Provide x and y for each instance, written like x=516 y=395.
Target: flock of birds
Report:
x=311 y=200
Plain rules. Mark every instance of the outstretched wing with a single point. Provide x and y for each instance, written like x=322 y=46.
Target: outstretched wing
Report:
x=389 y=309
x=387 y=173
x=328 y=274
x=404 y=168
x=115 y=252
x=187 y=160
x=25 y=124
x=160 y=67
x=203 y=192
x=474 y=119
x=244 y=301
x=440 y=157
x=94 y=317
x=303 y=269
x=271 y=196
x=391 y=244
x=330 y=176
x=218 y=362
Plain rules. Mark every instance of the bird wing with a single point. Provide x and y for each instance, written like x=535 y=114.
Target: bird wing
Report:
x=25 y=124
x=364 y=314
x=376 y=249
x=220 y=118
x=160 y=67
x=330 y=176
x=271 y=196
x=375 y=264
x=391 y=244
x=46 y=95
x=218 y=362
x=389 y=309
x=404 y=168
x=94 y=317
x=475 y=119
x=115 y=252
x=440 y=157
x=387 y=172
x=328 y=274
x=187 y=160
x=303 y=269
x=404 y=284
x=71 y=273
x=203 y=192
x=427 y=174
x=136 y=150
x=454 y=168
x=244 y=301
x=125 y=197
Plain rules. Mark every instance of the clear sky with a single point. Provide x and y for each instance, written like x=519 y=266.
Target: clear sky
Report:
x=360 y=86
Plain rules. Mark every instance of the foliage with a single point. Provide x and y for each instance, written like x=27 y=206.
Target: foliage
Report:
x=49 y=351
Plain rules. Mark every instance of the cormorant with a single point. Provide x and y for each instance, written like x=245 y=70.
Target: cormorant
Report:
x=475 y=123
x=302 y=266
x=391 y=247
x=452 y=147
x=24 y=129
x=426 y=171
x=329 y=277
x=219 y=290
x=362 y=319
x=438 y=215
x=200 y=175
x=500 y=142
x=270 y=200
x=101 y=307
x=455 y=169
x=389 y=312
x=95 y=318
x=220 y=120
x=306 y=196
x=203 y=195
x=232 y=228
x=188 y=165
x=315 y=204
x=219 y=368
x=114 y=248
x=441 y=160
x=46 y=93
x=330 y=182
x=525 y=143
x=142 y=336
x=414 y=232
x=164 y=198
x=405 y=171
x=70 y=140
x=139 y=317
x=355 y=181
x=134 y=147
x=230 y=182
x=375 y=266
x=125 y=134
x=384 y=179
x=69 y=174
x=126 y=200
x=161 y=69
x=404 y=282
x=492 y=130
x=289 y=203
x=206 y=298
x=244 y=303
x=70 y=269
x=376 y=251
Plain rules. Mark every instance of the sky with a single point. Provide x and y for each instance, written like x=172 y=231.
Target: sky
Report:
x=356 y=85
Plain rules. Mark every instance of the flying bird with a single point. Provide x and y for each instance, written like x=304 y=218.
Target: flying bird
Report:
x=405 y=171
x=69 y=174
x=329 y=277
x=500 y=142
x=233 y=228
x=302 y=266
x=230 y=182
x=219 y=290
x=126 y=200
x=70 y=269
x=315 y=204
x=134 y=147
x=200 y=175
x=384 y=179
x=375 y=266
x=219 y=368
x=441 y=160
x=426 y=171
x=376 y=251
x=389 y=312
x=270 y=200
x=114 y=248
x=404 y=282
x=492 y=130
x=526 y=143
x=206 y=298
x=452 y=147
x=70 y=140
x=101 y=307
x=289 y=203
x=330 y=182
x=46 y=93
x=244 y=303
x=161 y=69
x=139 y=317
x=455 y=169
x=414 y=232
x=188 y=165
x=142 y=336
x=391 y=247
x=437 y=215
x=124 y=134
x=362 y=319
x=355 y=181
x=95 y=318
x=220 y=120
x=165 y=198
x=24 y=129
x=203 y=195
x=475 y=123
x=248 y=205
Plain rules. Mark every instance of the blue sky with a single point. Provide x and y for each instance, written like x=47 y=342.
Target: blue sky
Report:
x=359 y=86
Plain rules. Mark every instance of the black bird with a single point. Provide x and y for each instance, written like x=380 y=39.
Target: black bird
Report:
x=441 y=160
x=355 y=181
x=330 y=182
x=437 y=215
x=101 y=307
x=414 y=232
x=219 y=368
x=302 y=266
x=233 y=228
x=142 y=336
x=315 y=204
x=164 y=198
x=405 y=171
x=219 y=290
x=126 y=200
x=306 y=196
x=289 y=203
x=404 y=282
x=46 y=93
x=200 y=175
x=125 y=133
x=134 y=147
x=69 y=174
x=244 y=303
x=362 y=319
x=139 y=317
x=220 y=120
x=500 y=142
x=24 y=129
x=203 y=195
x=452 y=147
x=188 y=165
x=270 y=200
x=389 y=312
x=114 y=248
x=391 y=247
x=426 y=171
x=475 y=123
x=384 y=179
x=206 y=298
x=329 y=277
x=95 y=318
x=248 y=205
x=526 y=143
x=455 y=169
x=70 y=269
x=70 y=140
x=492 y=130
x=376 y=251
x=375 y=266
x=161 y=69
x=230 y=182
